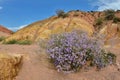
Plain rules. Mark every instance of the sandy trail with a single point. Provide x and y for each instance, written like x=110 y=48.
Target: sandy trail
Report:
x=19 y=49
x=36 y=66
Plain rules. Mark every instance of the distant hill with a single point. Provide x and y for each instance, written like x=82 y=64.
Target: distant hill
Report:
x=88 y=21
x=4 y=31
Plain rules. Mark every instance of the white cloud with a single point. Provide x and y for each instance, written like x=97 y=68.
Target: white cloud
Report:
x=17 y=28
x=1 y=7
x=107 y=4
x=20 y=27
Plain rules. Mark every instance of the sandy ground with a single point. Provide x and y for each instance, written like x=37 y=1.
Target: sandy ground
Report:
x=36 y=66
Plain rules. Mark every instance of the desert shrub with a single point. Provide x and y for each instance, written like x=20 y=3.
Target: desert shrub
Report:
x=92 y=11
x=21 y=42
x=99 y=21
x=118 y=10
x=13 y=41
x=116 y=20
x=72 y=51
x=109 y=14
x=78 y=10
x=2 y=38
x=24 y=42
x=61 y=13
x=105 y=59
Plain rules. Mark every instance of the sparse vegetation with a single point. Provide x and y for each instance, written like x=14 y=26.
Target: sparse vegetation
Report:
x=2 y=38
x=24 y=42
x=116 y=20
x=118 y=10
x=72 y=51
x=21 y=42
x=109 y=14
x=61 y=13
x=13 y=41
x=99 y=21
x=78 y=10
x=92 y=11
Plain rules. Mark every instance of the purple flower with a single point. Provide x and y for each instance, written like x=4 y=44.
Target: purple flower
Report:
x=71 y=50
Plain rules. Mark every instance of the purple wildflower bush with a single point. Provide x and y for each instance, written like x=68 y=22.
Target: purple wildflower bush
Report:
x=72 y=51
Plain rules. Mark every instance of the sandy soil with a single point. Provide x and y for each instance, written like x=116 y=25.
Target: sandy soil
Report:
x=36 y=66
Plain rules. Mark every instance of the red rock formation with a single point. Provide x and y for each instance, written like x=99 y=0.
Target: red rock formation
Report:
x=5 y=30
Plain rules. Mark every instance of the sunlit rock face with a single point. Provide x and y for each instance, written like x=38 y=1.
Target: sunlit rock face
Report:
x=9 y=66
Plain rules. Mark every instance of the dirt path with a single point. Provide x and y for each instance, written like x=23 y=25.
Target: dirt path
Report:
x=19 y=49
x=36 y=66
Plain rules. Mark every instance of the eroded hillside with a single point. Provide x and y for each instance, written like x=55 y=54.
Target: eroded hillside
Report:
x=74 y=20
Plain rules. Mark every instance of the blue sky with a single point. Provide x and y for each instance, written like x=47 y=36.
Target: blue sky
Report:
x=15 y=14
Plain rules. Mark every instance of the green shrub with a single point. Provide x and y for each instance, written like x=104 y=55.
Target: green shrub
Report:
x=109 y=14
x=61 y=13
x=99 y=21
x=78 y=10
x=118 y=10
x=116 y=20
x=92 y=11
x=2 y=38
x=24 y=42
x=106 y=59
x=13 y=41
